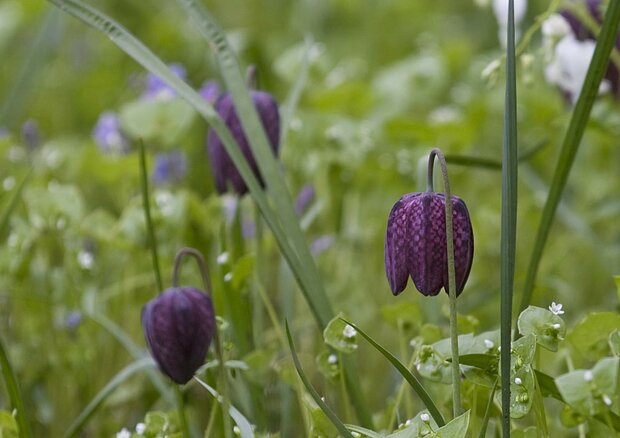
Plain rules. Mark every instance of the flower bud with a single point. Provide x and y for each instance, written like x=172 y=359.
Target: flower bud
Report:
x=224 y=170
x=178 y=326
x=415 y=243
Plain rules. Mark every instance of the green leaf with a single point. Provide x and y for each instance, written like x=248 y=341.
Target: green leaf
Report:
x=340 y=335
x=456 y=428
x=10 y=207
x=407 y=375
x=14 y=392
x=614 y=342
x=416 y=427
x=327 y=364
x=315 y=395
x=8 y=425
x=589 y=337
x=548 y=328
x=406 y=313
x=591 y=392
x=161 y=122
x=530 y=432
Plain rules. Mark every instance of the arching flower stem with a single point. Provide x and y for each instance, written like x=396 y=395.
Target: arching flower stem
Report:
x=454 y=340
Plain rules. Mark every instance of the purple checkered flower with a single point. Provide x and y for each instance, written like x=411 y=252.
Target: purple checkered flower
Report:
x=225 y=173
x=108 y=134
x=169 y=167
x=156 y=88
x=179 y=326
x=415 y=243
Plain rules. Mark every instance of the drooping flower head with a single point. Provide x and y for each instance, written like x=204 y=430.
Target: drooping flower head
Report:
x=415 y=243
x=178 y=326
x=224 y=170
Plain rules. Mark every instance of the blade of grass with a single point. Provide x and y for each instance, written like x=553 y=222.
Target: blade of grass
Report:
x=509 y=219
x=407 y=375
x=270 y=169
x=10 y=208
x=14 y=393
x=487 y=413
x=572 y=140
x=245 y=428
x=287 y=110
x=117 y=380
x=315 y=395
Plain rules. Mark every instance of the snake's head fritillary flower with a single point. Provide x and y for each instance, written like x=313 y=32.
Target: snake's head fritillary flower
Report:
x=415 y=243
x=178 y=326
x=224 y=170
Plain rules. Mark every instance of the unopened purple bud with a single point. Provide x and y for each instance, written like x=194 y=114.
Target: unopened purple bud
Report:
x=210 y=91
x=169 y=167
x=178 y=326
x=156 y=88
x=108 y=135
x=224 y=170
x=304 y=199
x=415 y=243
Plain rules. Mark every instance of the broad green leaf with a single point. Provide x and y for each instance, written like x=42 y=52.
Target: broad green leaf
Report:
x=589 y=337
x=340 y=335
x=327 y=364
x=591 y=392
x=321 y=426
x=160 y=122
x=8 y=425
x=456 y=428
x=548 y=327
x=420 y=425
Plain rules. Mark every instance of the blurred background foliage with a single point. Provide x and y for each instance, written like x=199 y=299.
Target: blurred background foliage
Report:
x=387 y=81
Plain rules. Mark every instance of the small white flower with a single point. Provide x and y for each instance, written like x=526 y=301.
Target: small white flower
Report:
x=555 y=27
x=413 y=343
x=124 y=433
x=8 y=183
x=408 y=422
x=349 y=332
x=557 y=325
x=332 y=358
x=489 y=343
x=518 y=381
x=425 y=417
x=355 y=434
x=607 y=400
x=323 y=399
x=556 y=308
x=228 y=277
x=236 y=430
x=86 y=259
x=140 y=428
x=223 y=258
x=588 y=376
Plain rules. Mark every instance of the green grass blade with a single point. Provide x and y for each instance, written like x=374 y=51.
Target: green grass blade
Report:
x=127 y=372
x=572 y=140
x=14 y=393
x=5 y=217
x=509 y=219
x=315 y=395
x=141 y=54
x=287 y=110
x=245 y=428
x=144 y=183
x=487 y=412
x=407 y=375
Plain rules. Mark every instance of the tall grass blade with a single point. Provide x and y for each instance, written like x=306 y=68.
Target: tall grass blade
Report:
x=14 y=393
x=245 y=428
x=572 y=140
x=315 y=395
x=509 y=218
x=127 y=372
x=407 y=375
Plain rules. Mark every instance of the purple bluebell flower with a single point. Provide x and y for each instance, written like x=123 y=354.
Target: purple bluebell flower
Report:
x=73 y=320
x=108 y=134
x=305 y=197
x=179 y=326
x=31 y=134
x=415 y=243
x=210 y=91
x=169 y=167
x=224 y=170
x=156 y=88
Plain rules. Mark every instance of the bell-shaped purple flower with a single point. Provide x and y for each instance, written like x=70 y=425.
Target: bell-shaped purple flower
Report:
x=415 y=243
x=178 y=326
x=224 y=170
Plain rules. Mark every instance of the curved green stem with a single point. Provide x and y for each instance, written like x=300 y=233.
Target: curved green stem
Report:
x=454 y=335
